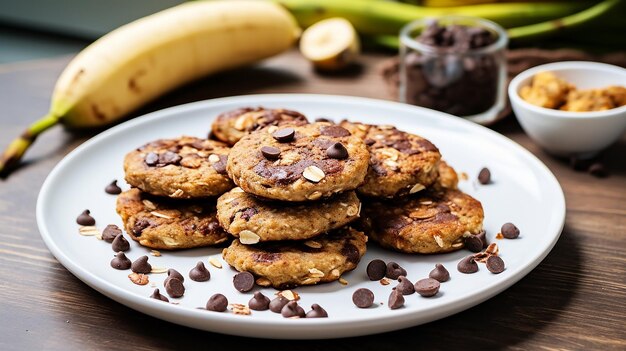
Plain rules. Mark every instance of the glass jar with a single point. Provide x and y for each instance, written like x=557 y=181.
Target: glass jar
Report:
x=443 y=66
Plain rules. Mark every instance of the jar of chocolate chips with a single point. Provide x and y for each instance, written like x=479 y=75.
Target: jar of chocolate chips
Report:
x=454 y=64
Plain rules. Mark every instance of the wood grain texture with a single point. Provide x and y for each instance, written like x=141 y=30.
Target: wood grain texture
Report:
x=574 y=300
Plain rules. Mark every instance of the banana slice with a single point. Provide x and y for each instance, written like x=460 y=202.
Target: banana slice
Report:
x=330 y=44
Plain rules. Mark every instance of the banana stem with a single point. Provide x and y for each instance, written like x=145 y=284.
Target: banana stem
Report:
x=14 y=152
x=565 y=22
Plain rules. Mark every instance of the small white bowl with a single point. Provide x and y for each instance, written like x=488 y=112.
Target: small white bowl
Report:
x=565 y=133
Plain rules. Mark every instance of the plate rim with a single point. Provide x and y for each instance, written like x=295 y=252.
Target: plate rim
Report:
x=389 y=322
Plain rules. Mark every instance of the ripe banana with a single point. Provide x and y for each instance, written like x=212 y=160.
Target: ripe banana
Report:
x=331 y=44
x=141 y=60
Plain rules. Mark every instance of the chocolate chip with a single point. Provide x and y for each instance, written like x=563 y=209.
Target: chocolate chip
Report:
x=509 y=231
x=172 y=273
x=467 y=265
x=405 y=287
x=598 y=170
x=427 y=287
x=141 y=265
x=324 y=119
x=580 y=164
x=174 y=287
x=110 y=232
x=473 y=243
x=220 y=166
x=270 y=152
x=278 y=303
x=199 y=273
x=363 y=298
x=334 y=131
x=120 y=244
x=484 y=176
x=259 y=302
x=376 y=269
x=351 y=253
x=394 y=270
x=243 y=281
x=140 y=225
x=369 y=142
x=316 y=312
x=217 y=303
x=169 y=158
x=157 y=296
x=112 y=188
x=120 y=261
x=292 y=309
x=151 y=159
x=396 y=300
x=85 y=219
x=482 y=235
x=495 y=264
x=284 y=135
x=338 y=151
x=440 y=273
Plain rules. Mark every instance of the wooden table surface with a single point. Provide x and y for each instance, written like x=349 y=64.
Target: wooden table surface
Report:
x=575 y=299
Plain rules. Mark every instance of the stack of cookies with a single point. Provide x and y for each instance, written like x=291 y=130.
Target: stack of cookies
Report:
x=294 y=199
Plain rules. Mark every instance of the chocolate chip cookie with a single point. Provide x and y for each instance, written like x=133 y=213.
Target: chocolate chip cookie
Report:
x=400 y=163
x=298 y=163
x=432 y=221
x=231 y=126
x=164 y=223
x=286 y=264
x=254 y=220
x=186 y=167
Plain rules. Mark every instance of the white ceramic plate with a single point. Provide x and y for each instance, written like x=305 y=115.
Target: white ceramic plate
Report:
x=523 y=192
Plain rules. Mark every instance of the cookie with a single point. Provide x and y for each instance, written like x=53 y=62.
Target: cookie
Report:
x=231 y=126
x=255 y=220
x=164 y=223
x=431 y=221
x=400 y=163
x=447 y=177
x=298 y=163
x=287 y=264
x=186 y=167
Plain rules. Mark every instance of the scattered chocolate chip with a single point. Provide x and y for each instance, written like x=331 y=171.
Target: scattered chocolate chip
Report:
x=405 y=287
x=363 y=298
x=243 y=281
x=141 y=265
x=394 y=270
x=151 y=159
x=484 y=176
x=334 y=131
x=338 y=151
x=217 y=303
x=174 y=287
x=112 y=188
x=467 y=265
x=284 y=135
x=157 y=296
x=509 y=230
x=324 y=119
x=85 y=219
x=427 y=287
x=120 y=244
x=316 y=312
x=220 y=166
x=172 y=273
x=270 y=152
x=199 y=273
x=292 y=309
x=598 y=170
x=169 y=158
x=376 y=269
x=259 y=302
x=580 y=164
x=495 y=264
x=440 y=273
x=396 y=300
x=278 y=303
x=120 y=261
x=110 y=232
x=473 y=243
x=482 y=235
